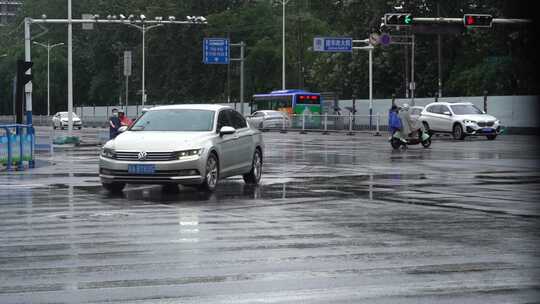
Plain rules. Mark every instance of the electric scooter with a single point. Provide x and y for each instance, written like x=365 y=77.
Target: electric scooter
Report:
x=397 y=140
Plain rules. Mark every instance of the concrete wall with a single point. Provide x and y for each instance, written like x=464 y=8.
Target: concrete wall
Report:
x=512 y=111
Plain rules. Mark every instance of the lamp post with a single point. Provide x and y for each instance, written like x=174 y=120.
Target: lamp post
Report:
x=49 y=47
x=283 y=3
x=143 y=28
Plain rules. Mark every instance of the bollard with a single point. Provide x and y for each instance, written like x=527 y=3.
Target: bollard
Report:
x=283 y=129
x=378 y=122
x=325 y=132
x=303 y=124
x=350 y=126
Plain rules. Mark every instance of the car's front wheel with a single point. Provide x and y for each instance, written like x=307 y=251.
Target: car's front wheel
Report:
x=212 y=173
x=254 y=175
x=114 y=187
x=457 y=132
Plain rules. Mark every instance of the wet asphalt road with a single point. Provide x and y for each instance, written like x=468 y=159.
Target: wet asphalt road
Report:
x=337 y=219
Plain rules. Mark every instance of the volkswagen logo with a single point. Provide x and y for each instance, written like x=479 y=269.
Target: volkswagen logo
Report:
x=142 y=155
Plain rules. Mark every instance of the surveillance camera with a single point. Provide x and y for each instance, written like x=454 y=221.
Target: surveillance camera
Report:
x=114 y=17
x=159 y=18
x=43 y=16
x=131 y=17
x=143 y=17
x=109 y=17
x=202 y=19
x=96 y=16
x=122 y=16
x=172 y=18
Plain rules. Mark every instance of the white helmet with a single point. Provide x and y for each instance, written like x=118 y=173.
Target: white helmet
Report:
x=405 y=106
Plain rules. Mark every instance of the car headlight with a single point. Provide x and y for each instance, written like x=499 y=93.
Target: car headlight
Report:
x=497 y=122
x=467 y=121
x=108 y=153
x=189 y=153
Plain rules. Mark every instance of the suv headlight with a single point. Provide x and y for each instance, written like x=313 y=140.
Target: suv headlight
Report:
x=467 y=121
x=189 y=153
x=108 y=153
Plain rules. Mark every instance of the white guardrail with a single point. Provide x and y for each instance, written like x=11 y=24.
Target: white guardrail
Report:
x=329 y=123
x=303 y=123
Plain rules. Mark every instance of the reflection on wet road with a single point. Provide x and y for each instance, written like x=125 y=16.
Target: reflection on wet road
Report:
x=336 y=219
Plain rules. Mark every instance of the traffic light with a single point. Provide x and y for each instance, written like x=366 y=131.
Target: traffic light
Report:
x=398 y=19
x=22 y=80
x=475 y=20
x=22 y=68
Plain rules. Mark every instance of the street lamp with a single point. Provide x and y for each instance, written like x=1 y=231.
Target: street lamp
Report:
x=49 y=47
x=283 y=3
x=143 y=28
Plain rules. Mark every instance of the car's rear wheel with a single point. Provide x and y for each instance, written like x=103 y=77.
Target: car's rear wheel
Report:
x=212 y=173
x=491 y=137
x=254 y=175
x=457 y=132
x=114 y=187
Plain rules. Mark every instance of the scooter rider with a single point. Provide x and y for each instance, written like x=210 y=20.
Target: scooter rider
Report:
x=409 y=128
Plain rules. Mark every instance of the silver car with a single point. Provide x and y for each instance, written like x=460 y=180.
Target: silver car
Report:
x=266 y=119
x=183 y=144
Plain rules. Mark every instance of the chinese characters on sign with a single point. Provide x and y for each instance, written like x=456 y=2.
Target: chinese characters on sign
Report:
x=216 y=51
x=332 y=44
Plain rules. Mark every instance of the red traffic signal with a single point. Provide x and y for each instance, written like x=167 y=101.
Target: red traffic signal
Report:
x=476 y=20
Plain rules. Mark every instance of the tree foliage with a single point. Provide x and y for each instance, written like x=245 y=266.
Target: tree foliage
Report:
x=500 y=60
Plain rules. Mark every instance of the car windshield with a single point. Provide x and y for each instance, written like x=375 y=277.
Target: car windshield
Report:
x=275 y=114
x=65 y=115
x=465 y=109
x=175 y=120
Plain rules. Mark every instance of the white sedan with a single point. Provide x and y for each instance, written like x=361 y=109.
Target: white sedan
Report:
x=265 y=119
x=459 y=119
x=60 y=120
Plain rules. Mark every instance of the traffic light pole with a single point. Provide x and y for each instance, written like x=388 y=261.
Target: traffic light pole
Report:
x=369 y=48
x=28 y=58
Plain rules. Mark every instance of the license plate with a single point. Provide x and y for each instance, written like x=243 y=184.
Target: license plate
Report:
x=141 y=169
x=487 y=130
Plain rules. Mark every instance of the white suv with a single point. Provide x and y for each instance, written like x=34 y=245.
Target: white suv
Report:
x=460 y=119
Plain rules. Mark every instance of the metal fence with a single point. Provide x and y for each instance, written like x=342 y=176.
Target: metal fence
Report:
x=332 y=123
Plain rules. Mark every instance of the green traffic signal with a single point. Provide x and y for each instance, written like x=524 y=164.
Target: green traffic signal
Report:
x=408 y=19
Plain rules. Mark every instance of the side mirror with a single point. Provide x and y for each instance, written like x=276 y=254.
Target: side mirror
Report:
x=122 y=129
x=447 y=113
x=226 y=131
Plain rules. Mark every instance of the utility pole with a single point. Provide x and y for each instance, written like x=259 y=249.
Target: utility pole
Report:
x=242 y=46
x=70 y=72
x=283 y=82
x=439 y=82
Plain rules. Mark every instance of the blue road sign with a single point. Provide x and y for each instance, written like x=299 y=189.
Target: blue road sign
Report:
x=216 y=51
x=332 y=44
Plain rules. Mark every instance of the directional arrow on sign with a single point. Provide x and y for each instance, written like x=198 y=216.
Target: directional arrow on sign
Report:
x=408 y=19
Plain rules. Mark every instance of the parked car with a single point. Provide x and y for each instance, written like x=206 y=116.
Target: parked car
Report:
x=183 y=144
x=266 y=119
x=459 y=119
x=60 y=120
